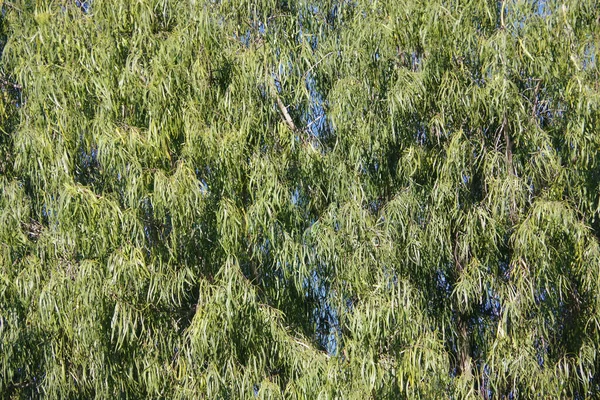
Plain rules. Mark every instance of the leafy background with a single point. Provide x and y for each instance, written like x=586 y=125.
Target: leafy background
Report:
x=299 y=199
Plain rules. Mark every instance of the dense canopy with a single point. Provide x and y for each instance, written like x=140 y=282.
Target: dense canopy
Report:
x=299 y=199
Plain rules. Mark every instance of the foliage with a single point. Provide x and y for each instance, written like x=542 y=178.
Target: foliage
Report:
x=299 y=199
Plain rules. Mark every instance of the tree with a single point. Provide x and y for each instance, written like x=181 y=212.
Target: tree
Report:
x=299 y=199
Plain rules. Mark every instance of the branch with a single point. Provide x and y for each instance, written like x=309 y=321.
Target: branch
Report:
x=315 y=64
x=11 y=5
x=509 y=145
x=6 y=82
x=535 y=99
x=286 y=116
x=284 y=112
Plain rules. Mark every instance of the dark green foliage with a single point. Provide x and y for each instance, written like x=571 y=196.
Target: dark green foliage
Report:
x=299 y=199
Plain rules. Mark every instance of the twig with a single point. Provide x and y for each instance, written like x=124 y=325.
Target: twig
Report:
x=315 y=64
x=9 y=83
x=535 y=100
x=314 y=121
x=11 y=5
x=509 y=161
x=302 y=344
x=284 y=112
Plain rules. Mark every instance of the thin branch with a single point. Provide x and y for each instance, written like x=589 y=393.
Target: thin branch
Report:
x=286 y=116
x=272 y=17
x=6 y=82
x=283 y=109
x=315 y=64
x=509 y=158
x=535 y=100
x=302 y=344
x=314 y=121
x=11 y=5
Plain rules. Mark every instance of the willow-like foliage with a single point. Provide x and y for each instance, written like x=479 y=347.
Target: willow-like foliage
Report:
x=299 y=199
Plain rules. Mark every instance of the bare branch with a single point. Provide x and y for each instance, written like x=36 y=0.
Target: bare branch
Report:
x=283 y=109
